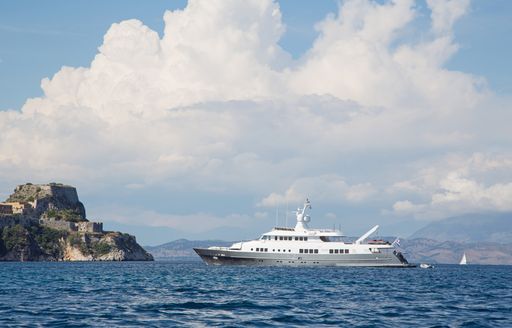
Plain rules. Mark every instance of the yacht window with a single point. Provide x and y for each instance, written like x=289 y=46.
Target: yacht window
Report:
x=300 y=238
x=273 y=250
x=251 y=249
x=266 y=249
x=346 y=251
x=306 y=238
x=296 y=238
x=300 y=250
x=278 y=250
x=316 y=251
x=336 y=251
x=324 y=238
x=330 y=251
x=280 y=237
x=275 y=237
x=289 y=251
x=257 y=249
x=310 y=251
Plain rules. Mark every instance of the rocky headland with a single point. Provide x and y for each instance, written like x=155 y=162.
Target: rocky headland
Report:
x=47 y=222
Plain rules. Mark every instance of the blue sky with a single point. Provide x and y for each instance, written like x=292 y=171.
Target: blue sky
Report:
x=381 y=112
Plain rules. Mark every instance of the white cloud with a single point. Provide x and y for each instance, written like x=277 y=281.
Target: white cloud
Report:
x=445 y=13
x=326 y=188
x=216 y=105
x=453 y=187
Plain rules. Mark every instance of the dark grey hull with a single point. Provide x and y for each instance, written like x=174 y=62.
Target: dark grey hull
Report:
x=233 y=257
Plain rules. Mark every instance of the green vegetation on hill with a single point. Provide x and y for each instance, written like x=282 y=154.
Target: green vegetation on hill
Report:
x=40 y=240
x=66 y=215
x=48 y=239
x=101 y=248
x=15 y=237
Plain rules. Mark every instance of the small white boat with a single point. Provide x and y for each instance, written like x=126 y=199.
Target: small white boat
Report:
x=463 y=260
x=426 y=266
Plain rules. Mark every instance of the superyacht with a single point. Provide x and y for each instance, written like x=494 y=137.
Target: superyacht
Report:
x=303 y=246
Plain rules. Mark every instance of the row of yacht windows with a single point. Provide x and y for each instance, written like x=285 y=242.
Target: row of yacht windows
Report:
x=338 y=251
x=310 y=251
x=304 y=251
x=284 y=238
x=266 y=250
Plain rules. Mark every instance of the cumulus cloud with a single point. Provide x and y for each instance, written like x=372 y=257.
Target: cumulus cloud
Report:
x=445 y=13
x=459 y=185
x=216 y=105
x=326 y=188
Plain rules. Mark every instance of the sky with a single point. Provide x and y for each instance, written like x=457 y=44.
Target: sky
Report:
x=215 y=119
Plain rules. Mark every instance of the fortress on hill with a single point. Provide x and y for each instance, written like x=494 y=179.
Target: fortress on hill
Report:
x=47 y=222
x=52 y=205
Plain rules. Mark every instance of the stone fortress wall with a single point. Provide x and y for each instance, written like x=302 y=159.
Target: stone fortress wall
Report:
x=7 y=220
x=92 y=227
x=29 y=203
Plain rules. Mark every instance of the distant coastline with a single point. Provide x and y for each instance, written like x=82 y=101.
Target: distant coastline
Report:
x=418 y=250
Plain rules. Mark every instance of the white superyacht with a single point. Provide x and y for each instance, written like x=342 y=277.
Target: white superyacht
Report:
x=302 y=246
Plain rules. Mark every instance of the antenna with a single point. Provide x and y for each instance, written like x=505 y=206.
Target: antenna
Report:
x=277 y=216
x=286 y=216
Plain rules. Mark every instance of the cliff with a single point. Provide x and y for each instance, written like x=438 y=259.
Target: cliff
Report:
x=48 y=223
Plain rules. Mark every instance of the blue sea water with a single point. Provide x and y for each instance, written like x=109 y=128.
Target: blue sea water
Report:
x=166 y=294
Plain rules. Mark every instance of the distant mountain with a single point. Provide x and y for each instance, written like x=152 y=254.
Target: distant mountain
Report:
x=450 y=252
x=182 y=248
x=490 y=227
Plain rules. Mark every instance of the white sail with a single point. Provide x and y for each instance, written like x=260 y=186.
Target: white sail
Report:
x=463 y=260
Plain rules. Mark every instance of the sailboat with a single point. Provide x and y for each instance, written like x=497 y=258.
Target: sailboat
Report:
x=463 y=260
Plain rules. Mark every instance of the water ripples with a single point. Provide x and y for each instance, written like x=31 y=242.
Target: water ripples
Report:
x=163 y=294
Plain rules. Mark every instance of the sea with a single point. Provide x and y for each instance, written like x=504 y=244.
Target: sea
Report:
x=191 y=294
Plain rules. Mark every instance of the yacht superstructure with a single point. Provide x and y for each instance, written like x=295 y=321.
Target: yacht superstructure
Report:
x=303 y=246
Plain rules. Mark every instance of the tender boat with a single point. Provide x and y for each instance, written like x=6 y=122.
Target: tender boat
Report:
x=303 y=246
x=426 y=266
